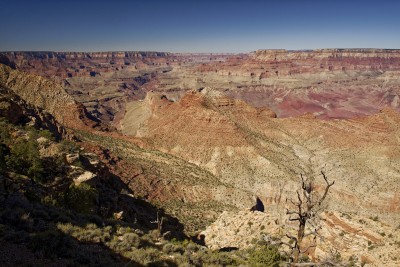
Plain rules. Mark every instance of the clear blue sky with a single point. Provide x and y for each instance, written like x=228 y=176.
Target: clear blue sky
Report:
x=197 y=26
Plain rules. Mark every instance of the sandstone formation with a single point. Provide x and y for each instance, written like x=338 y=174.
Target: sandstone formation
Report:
x=105 y=81
x=256 y=152
x=342 y=235
x=203 y=134
x=263 y=156
x=16 y=110
x=44 y=94
x=328 y=83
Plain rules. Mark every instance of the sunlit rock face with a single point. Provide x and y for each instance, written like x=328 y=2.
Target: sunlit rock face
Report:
x=216 y=131
x=326 y=83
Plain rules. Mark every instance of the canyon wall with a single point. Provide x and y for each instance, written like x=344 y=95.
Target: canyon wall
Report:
x=328 y=83
x=183 y=120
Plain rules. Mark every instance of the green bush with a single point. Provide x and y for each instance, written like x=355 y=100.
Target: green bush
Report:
x=266 y=256
x=24 y=159
x=125 y=243
x=81 y=198
x=220 y=259
x=47 y=134
x=143 y=256
x=68 y=147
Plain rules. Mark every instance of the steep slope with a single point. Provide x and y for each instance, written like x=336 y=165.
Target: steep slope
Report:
x=46 y=95
x=101 y=81
x=199 y=152
x=16 y=110
x=217 y=133
x=253 y=151
x=263 y=156
x=156 y=176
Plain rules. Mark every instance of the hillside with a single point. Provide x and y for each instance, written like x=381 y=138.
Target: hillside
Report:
x=62 y=205
x=201 y=137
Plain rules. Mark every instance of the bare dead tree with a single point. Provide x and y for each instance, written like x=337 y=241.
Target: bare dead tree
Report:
x=159 y=223
x=306 y=206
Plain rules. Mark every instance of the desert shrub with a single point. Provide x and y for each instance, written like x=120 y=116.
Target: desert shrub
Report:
x=146 y=239
x=90 y=233
x=47 y=134
x=216 y=258
x=352 y=261
x=81 y=198
x=125 y=243
x=375 y=219
x=49 y=200
x=68 y=147
x=123 y=230
x=34 y=133
x=32 y=195
x=192 y=246
x=131 y=240
x=10 y=234
x=166 y=263
x=16 y=236
x=267 y=256
x=18 y=217
x=24 y=159
x=143 y=256
x=170 y=248
x=66 y=228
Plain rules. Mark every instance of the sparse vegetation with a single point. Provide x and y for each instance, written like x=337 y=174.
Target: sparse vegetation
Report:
x=80 y=198
x=268 y=256
x=306 y=205
x=53 y=210
x=24 y=159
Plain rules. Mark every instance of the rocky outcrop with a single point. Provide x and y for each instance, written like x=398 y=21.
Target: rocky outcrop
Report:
x=353 y=237
x=45 y=95
x=263 y=156
x=17 y=111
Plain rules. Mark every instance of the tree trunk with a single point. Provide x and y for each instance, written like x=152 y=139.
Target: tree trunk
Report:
x=300 y=235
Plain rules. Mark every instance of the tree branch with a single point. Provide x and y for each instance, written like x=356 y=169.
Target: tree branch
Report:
x=291 y=237
x=328 y=185
x=288 y=212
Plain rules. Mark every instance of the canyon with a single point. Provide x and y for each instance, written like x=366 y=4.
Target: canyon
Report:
x=203 y=135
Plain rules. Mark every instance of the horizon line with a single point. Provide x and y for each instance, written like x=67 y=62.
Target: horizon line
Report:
x=161 y=51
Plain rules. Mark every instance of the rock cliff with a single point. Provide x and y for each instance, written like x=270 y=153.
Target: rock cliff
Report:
x=260 y=155
x=328 y=83
x=47 y=95
x=202 y=134
x=17 y=111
